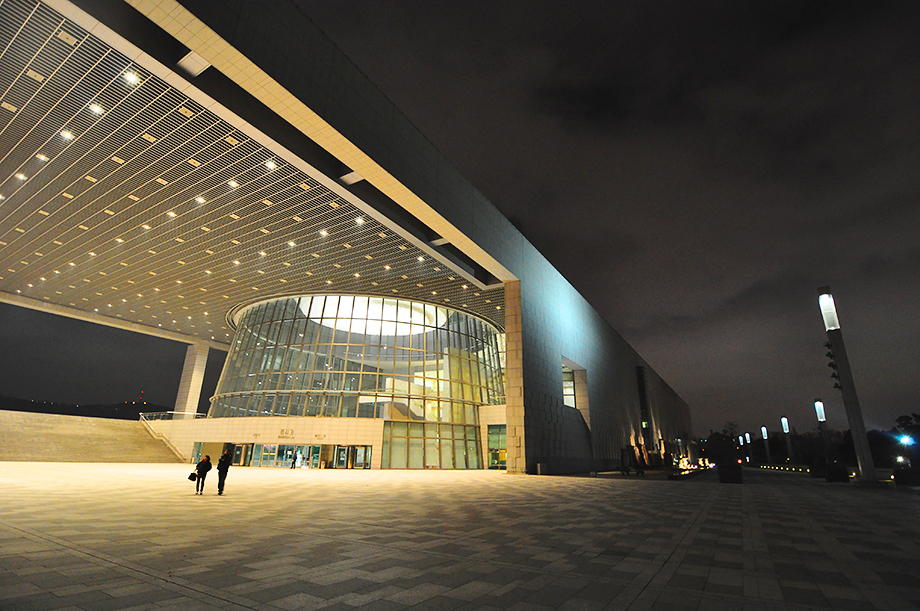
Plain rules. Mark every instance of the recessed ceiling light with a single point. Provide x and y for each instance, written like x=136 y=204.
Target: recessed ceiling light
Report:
x=170 y=214
x=465 y=286
x=291 y=244
x=328 y=281
x=359 y=221
x=357 y=275
x=199 y=199
x=21 y=176
x=421 y=259
x=178 y=282
x=119 y=240
x=92 y=254
x=71 y=264
x=96 y=108
x=233 y=184
x=324 y=233
x=132 y=78
x=387 y=267
x=41 y=157
x=271 y=165
x=207 y=271
x=261 y=253
x=146 y=226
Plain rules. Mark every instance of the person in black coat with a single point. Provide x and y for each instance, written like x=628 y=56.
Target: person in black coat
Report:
x=223 y=465
x=201 y=469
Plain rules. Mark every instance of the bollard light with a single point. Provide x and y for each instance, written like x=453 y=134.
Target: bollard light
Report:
x=819 y=410
x=785 y=422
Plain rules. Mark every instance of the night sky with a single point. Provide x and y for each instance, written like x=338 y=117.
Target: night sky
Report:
x=695 y=169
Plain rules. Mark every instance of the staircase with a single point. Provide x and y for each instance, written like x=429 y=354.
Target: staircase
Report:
x=27 y=436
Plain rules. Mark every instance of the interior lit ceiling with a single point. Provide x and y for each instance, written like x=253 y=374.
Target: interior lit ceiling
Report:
x=122 y=196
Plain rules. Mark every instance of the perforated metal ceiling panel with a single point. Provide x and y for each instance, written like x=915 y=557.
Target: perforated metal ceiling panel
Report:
x=122 y=196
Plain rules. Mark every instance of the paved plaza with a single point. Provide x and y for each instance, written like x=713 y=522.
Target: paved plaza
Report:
x=100 y=537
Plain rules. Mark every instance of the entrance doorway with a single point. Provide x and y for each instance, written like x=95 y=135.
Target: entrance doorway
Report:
x=352 y=457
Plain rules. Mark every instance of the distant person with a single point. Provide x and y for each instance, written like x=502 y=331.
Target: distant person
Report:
x=223 y=465
x=294 y=461
x=201 y=469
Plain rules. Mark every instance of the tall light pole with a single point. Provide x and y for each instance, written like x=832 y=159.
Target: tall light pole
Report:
x=841 y=364
x=785 y=422
x=766 y=443
x=822 y=426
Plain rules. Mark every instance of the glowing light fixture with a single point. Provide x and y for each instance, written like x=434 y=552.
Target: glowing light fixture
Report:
x=906 y=440
x=67 y=135
x=747 y=437
x=785 y=422
x=819 y=410
x=828 y=311
x=763 y=431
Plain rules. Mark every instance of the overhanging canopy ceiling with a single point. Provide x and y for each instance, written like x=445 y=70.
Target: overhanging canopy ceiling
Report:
x=124 y=197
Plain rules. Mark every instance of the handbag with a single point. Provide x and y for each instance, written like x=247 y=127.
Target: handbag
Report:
x=192 y=476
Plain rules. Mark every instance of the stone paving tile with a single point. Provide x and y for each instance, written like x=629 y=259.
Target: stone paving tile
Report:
x=283 y=539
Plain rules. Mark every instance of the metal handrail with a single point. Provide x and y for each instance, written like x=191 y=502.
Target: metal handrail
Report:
x=149 y=416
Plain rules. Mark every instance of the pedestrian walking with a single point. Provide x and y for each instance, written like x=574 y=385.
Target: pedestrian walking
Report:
x=223 y=465
x=201 y=469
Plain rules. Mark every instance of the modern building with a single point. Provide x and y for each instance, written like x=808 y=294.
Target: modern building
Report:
x=219 y=174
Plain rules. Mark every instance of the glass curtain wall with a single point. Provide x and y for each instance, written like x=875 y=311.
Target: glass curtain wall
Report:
x=362 y=357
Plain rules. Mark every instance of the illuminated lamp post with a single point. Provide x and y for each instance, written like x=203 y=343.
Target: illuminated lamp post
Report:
x=785 y=422
x=841 y=365
x=766 y=443
x=747 y=440
x=822 y=426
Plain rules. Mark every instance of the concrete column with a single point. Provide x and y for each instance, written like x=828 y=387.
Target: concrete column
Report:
x=514 y=379
x=196 y=358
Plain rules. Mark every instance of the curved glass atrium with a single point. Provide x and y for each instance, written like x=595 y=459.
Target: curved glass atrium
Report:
x=363 y=357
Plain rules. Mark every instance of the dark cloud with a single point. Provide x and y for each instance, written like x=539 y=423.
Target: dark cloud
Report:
x=695 y=169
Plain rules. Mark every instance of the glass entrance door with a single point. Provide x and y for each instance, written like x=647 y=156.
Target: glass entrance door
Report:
x=352 y=457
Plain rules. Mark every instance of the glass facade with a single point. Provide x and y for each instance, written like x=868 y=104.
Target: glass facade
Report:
x=351 y=356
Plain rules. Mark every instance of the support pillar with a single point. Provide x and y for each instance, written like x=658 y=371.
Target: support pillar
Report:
x=196 y=358
x=514 y=379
